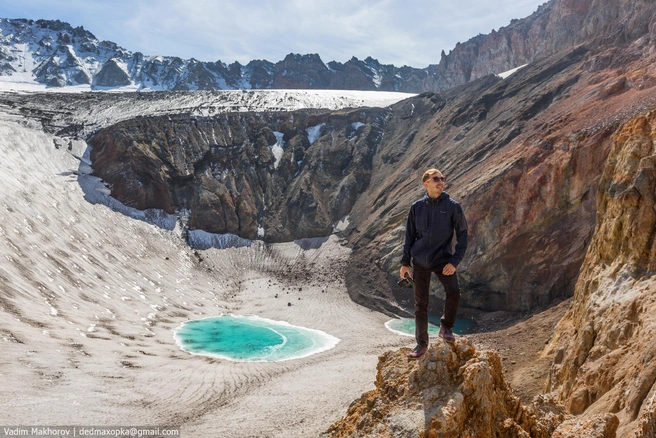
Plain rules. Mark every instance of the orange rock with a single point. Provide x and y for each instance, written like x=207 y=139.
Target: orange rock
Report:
x=605 y=351
x=449 y=392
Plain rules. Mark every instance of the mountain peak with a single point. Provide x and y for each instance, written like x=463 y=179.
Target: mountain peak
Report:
x=52 y=25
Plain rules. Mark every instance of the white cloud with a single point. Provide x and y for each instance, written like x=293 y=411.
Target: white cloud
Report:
x=393 y=31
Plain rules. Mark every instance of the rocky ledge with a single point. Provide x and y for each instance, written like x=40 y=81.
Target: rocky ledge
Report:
x=456 y=391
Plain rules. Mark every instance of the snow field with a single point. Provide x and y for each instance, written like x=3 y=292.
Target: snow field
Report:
x=89 y=299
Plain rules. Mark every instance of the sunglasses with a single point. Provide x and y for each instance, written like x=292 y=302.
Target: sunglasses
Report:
x=438 y=178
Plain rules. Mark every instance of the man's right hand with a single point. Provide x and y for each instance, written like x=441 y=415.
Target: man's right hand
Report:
x=405 y=270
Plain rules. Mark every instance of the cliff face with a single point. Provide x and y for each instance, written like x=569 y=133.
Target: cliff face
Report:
x=277 y=176
x=603 y=351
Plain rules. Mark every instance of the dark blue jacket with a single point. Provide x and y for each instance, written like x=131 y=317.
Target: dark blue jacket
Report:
x=429 y=232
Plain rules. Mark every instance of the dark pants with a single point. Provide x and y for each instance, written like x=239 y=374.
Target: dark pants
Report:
x=422 y=278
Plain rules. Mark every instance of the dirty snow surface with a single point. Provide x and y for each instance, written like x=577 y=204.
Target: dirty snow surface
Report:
x=90 y=295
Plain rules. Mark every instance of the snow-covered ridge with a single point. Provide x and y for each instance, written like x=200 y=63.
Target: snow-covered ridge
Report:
x=50 y=54
x=99 y=109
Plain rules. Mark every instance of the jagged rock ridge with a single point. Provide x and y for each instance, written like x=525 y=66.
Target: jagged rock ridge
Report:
x=555 y=26
x=58 y=55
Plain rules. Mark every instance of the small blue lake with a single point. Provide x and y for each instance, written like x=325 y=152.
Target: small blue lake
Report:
x=406 y=326
x=250 y=339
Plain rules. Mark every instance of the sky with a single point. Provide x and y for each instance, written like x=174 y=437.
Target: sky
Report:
x=399 y=32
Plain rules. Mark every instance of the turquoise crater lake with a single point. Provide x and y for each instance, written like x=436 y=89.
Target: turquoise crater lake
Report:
x=249 y=338
x=406 y=326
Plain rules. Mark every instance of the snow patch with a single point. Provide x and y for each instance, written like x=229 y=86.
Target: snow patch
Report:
x=96 y=192
x=199 y=239
x=277 y=149
x=505 y=74
x=341 y=224
x=314 y=132
x=377 y=79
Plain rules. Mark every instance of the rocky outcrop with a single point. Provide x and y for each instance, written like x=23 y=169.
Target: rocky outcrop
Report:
x=603 y=350
x=62 y=68
x=301 y=71
x=276 y=176
x=111 y=75
x=456 y=391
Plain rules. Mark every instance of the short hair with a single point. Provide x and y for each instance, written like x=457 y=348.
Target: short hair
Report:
x=428 y=174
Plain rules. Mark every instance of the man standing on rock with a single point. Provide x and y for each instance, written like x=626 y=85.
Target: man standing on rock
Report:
x=432 y=223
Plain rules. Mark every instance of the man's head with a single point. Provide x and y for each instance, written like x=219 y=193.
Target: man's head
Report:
x=434 y=182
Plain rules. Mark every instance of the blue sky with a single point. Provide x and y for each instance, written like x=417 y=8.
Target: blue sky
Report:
x=399 y=32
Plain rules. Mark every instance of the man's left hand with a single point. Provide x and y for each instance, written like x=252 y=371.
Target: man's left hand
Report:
x=449 y=269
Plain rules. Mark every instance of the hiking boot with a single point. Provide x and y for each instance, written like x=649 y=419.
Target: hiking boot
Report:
x=417 y=352
x=447 y=334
